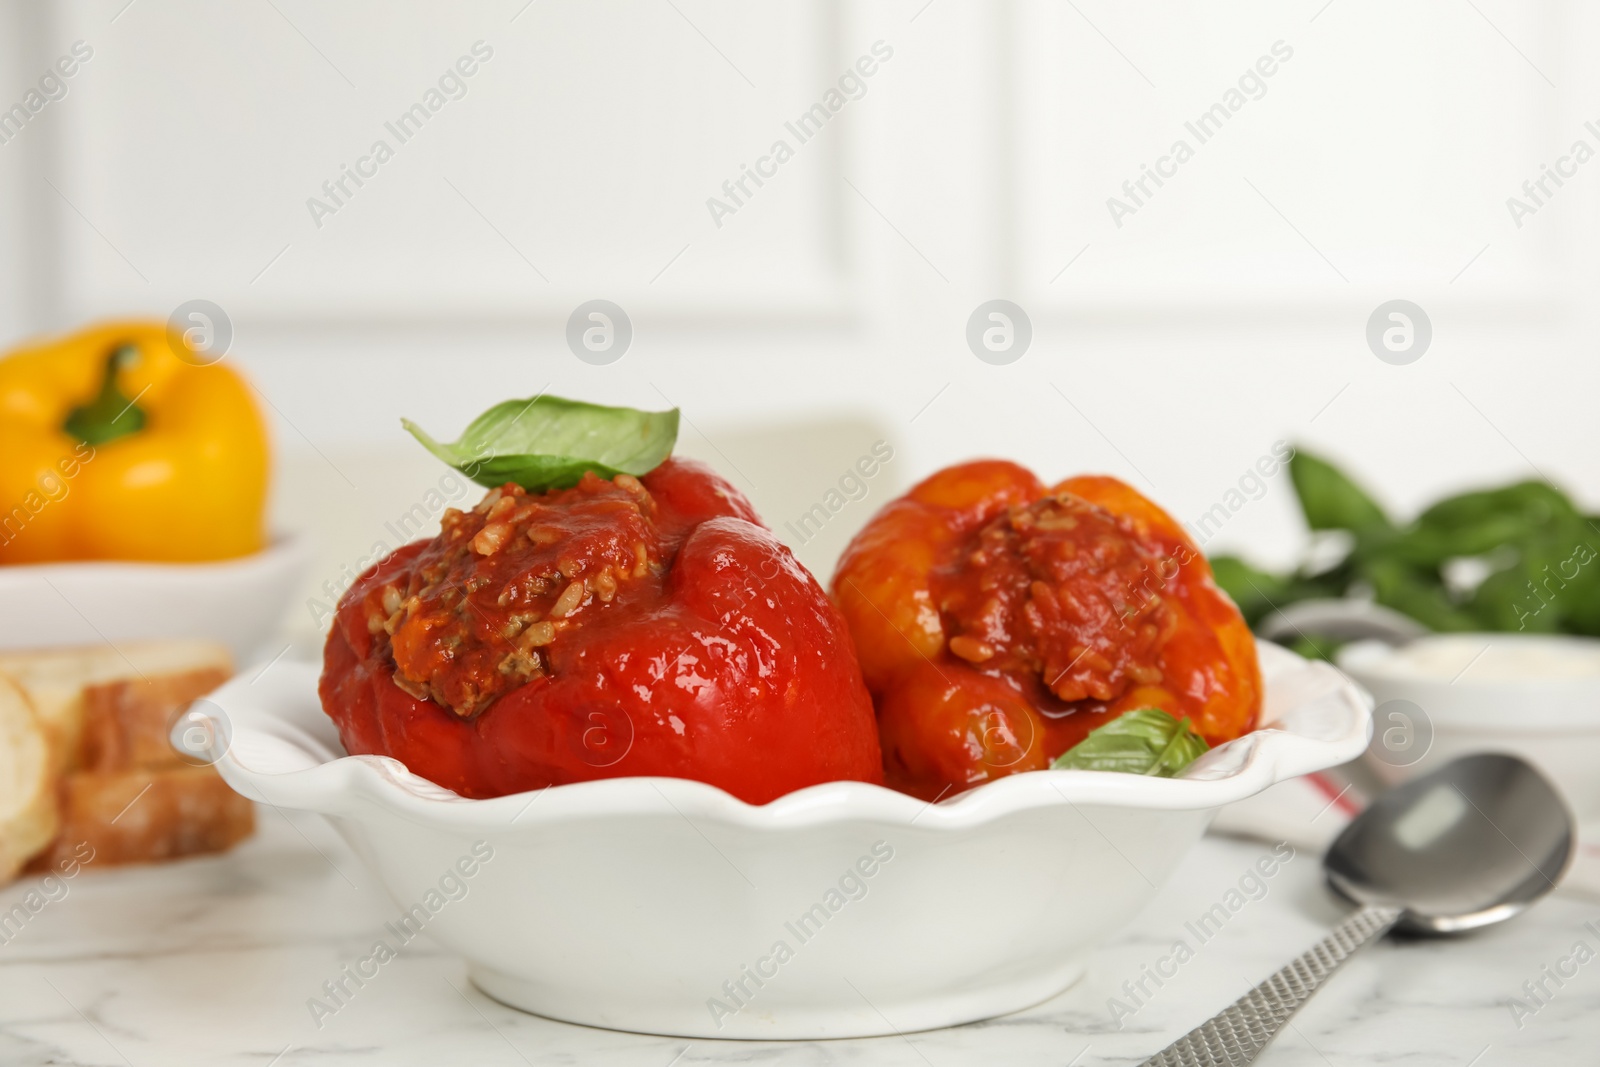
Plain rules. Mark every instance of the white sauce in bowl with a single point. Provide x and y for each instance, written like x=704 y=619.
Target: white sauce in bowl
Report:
x=1533 y=695
x=1494 y=657
x=1510 y=683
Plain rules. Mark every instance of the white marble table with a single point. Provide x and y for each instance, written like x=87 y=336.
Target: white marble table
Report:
x=212 y=962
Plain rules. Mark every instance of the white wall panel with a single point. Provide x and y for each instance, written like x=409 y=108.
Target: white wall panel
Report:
x=576 y=160
x=1376 y=157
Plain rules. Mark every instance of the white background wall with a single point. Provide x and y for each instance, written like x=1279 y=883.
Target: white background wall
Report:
x=1228 y=312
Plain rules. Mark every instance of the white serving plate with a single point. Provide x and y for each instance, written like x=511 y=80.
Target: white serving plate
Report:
x=646 y=903
x=239 y=602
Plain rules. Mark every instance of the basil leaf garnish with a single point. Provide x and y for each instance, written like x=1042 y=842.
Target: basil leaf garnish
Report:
x=547 y=442
x=1144 y=741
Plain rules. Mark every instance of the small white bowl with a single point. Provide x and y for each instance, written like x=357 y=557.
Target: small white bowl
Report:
x=668 y=906
x=239 y=602
x=1469 y=695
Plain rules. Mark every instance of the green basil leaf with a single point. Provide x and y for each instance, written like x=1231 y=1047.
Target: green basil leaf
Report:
x=1545 y=589
x=1535 y=502
x=1418 y=593
x=1256 y=592
x=1329 y=499
x=548 y=443
x=1583 y=610
x=1325 y=649
x=1144 y=741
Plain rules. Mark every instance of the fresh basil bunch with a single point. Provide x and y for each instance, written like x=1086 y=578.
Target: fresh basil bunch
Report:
x=1539 y=551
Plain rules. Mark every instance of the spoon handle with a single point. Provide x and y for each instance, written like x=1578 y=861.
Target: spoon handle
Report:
x=1236 y=1035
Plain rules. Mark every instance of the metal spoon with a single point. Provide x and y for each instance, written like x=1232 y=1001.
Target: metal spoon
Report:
x=1473 y=843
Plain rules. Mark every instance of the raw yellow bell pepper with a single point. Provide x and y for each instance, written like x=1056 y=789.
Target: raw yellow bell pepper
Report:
x=123 y=443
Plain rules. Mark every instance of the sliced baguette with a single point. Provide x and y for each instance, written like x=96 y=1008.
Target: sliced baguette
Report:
x=28 y=814
x=144 y=815
x=121 y=789
x=115 y=705
x=127 y=723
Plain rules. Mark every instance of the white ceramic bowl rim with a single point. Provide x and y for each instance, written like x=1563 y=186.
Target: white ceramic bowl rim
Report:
x=284 y=751
x=282 y=547
x=238 y=602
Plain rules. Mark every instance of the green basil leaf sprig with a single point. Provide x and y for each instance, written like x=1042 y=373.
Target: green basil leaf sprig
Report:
x=547 y=442
x=1144 y=741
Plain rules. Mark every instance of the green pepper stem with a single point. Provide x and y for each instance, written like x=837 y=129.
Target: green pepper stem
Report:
x=110 y=414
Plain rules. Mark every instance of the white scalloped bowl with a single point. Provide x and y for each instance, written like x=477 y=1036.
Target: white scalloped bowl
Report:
x=667 y=906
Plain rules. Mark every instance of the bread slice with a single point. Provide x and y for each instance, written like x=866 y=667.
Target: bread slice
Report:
x=124 y=794
x=145 y=815
x=128 y=723
x=28 y=816
x=115 y=705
